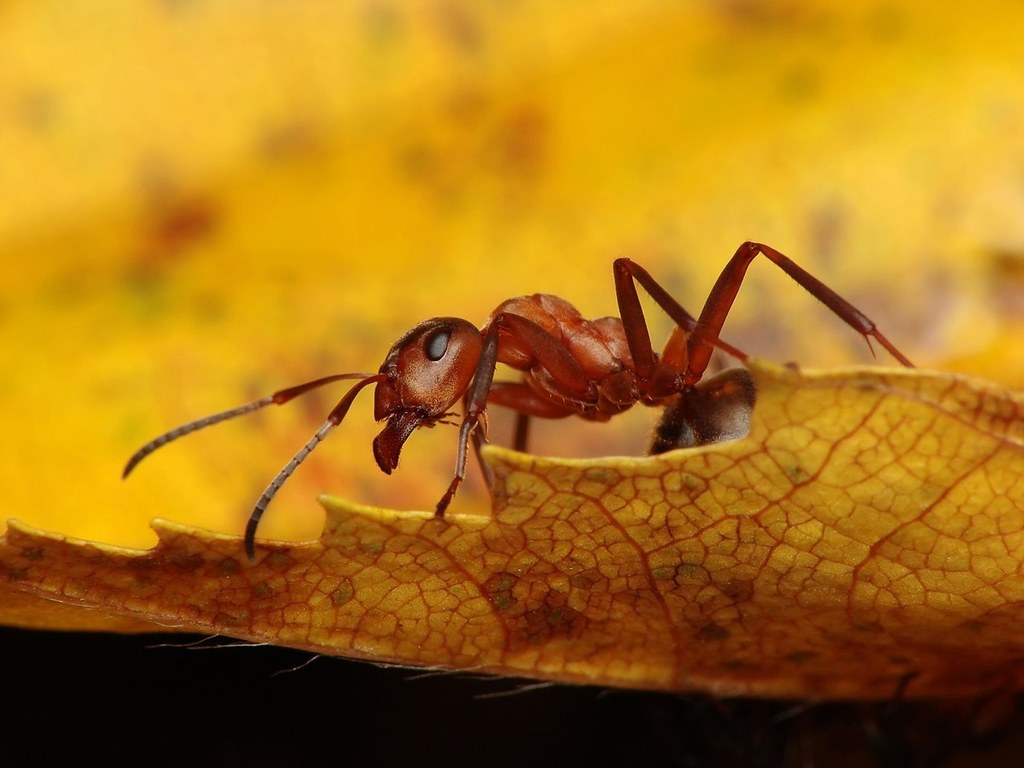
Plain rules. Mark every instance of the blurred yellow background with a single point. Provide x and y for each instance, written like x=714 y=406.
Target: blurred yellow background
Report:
x=203 y=202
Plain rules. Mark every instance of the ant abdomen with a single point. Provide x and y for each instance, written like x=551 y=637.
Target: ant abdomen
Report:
x=714 y=411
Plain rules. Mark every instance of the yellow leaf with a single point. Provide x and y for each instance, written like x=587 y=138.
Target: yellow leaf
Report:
x=866 y=538
x=199 y=204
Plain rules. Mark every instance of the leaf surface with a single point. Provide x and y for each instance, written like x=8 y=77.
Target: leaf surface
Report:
x=867 y=537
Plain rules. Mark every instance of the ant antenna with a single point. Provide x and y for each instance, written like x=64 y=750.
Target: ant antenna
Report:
x=334 y=418
x=192 y=426
x=278 y=398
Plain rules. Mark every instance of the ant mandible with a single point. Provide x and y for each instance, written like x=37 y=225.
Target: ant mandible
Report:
x=571 y=366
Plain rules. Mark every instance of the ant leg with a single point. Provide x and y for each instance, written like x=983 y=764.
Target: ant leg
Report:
x=525 y=402
x=521 y=434
x=548 y=353
x=627 y=273
x=705 y=335
x=475 y=404
x=478 y=443
x=521 y=398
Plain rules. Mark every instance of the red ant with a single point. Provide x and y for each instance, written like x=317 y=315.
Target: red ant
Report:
x=571 y=366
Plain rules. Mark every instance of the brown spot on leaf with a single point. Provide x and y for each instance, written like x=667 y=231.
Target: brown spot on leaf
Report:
x=712 y=633
x=499 y=589
x=262 y=591
x=739 y=590
x=342 y=593
x=228 y=619
x=586 y=579
x=551 y=619
x=186 y=561
x=279 y=561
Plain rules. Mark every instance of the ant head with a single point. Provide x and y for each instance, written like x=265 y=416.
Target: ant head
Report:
x=424 y=374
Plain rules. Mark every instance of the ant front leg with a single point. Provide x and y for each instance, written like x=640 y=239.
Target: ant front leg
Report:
x=705 y=334
x=519 y=397
x=474 y=404
x=547 y=352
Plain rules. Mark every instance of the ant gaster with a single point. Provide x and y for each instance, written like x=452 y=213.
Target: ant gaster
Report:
x=570 y=366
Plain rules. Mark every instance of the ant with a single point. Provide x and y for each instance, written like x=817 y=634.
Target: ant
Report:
x=570 y=366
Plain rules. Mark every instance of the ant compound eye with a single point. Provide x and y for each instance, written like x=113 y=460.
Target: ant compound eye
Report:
x=437 y=344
